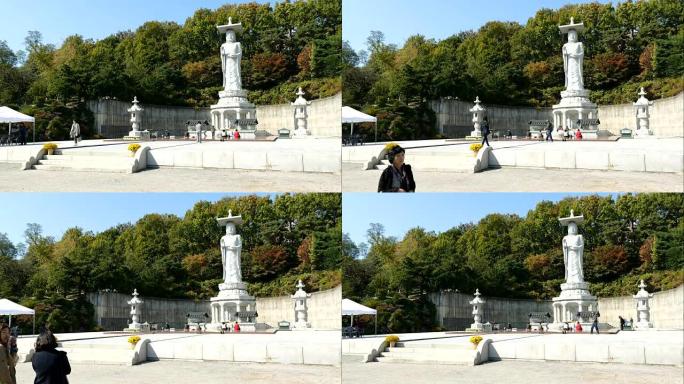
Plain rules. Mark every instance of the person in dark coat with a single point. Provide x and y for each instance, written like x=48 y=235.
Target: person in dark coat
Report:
x=7 y=358
x=397 y=177
x=549 y=131
x=51 y=366
x=22 y=134
x=485 y=131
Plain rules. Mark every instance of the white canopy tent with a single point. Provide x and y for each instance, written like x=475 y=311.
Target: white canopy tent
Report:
x=8 y=307
x=352 y=308
x=351 y=115
x=9 y=115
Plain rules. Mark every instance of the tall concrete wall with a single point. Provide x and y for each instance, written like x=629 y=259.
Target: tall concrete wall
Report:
x=667 y=309
x=112 y=312
x=324 y=119
x=325 y=308
x=667 y=117
x=112 y=117
x=454 y=117
x=454 y=311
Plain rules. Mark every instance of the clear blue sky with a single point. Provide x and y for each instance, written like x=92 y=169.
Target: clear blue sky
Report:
x=57 y=212
x=438 y=19
x=433 y=211
x=93 y=19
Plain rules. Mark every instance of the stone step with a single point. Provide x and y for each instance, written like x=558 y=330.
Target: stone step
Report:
x=89 y=162
x=408 y=345
x=423 y=360
x=80 y=156
x=51 y=167
x=118 y=152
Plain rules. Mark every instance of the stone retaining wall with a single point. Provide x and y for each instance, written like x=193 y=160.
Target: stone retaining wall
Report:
x=455 y=120
x=112 y=312
x=453 y=309
x=112 y=119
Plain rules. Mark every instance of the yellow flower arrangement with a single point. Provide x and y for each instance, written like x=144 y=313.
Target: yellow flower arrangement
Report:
x=475 y=339
x=133 y=147
x=47 y=146
x=389 y=146
x=134 y=339
x=392 y=338
x=475 y=147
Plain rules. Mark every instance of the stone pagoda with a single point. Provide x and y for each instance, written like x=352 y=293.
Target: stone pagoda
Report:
x=479 y=112
x=232 y=303
x=477 y=304
x=233 y=110
x=135 y=304
x=575 y=303
x=300 y=106
x=136 y=117
x=643 y=310
x=301 y=309
x=574 y=104
x=642 y=106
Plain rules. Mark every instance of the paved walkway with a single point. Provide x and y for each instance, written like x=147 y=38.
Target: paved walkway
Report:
x=354 y=179
x=166 y=180
x=178 y=371
x=509 y=372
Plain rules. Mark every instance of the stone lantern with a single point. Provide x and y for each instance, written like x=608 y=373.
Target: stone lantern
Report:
x=300 y=297
x=477 y=304
x=300 y=106
x=136 y=112
x=479 y=112
x=643 y=309
x=642 y=105
x=135 y=304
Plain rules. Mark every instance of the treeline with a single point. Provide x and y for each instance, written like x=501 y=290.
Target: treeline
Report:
x=630 y=238
x=292 y=44
x=291 y=237
x=626 y=46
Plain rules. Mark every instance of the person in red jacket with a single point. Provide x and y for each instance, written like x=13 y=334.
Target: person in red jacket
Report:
x=578 y=327
x=236 y=327
x=578 y=134
x=236 y=135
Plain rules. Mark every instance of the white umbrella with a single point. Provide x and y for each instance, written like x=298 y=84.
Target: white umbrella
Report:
x=9 y=115
x=8 y=307
x=351 y=115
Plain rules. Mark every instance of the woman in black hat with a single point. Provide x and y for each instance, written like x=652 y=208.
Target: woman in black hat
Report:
x=397 y=177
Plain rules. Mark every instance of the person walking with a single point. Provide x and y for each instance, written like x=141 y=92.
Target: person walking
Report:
x=50 y=365
x=485 y=131
x=594 y=325
x=622 y=323
x=236 y=327
x=549 y=131
x=397 y=177
x=7 y=358
x=75 y=132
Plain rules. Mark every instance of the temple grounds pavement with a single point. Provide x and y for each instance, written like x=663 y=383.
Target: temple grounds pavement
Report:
x=179 y=371
x=625 y=165
x=509 y=372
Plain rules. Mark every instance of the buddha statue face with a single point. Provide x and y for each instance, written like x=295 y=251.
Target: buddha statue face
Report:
x=230 y=36
x=572 y=36
x=230 y=229
x=572 y=229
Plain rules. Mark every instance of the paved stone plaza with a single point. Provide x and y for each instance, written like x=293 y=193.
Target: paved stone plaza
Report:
x=166 y=180
x=509 y=371
x=180 y=371
x=520 y=180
